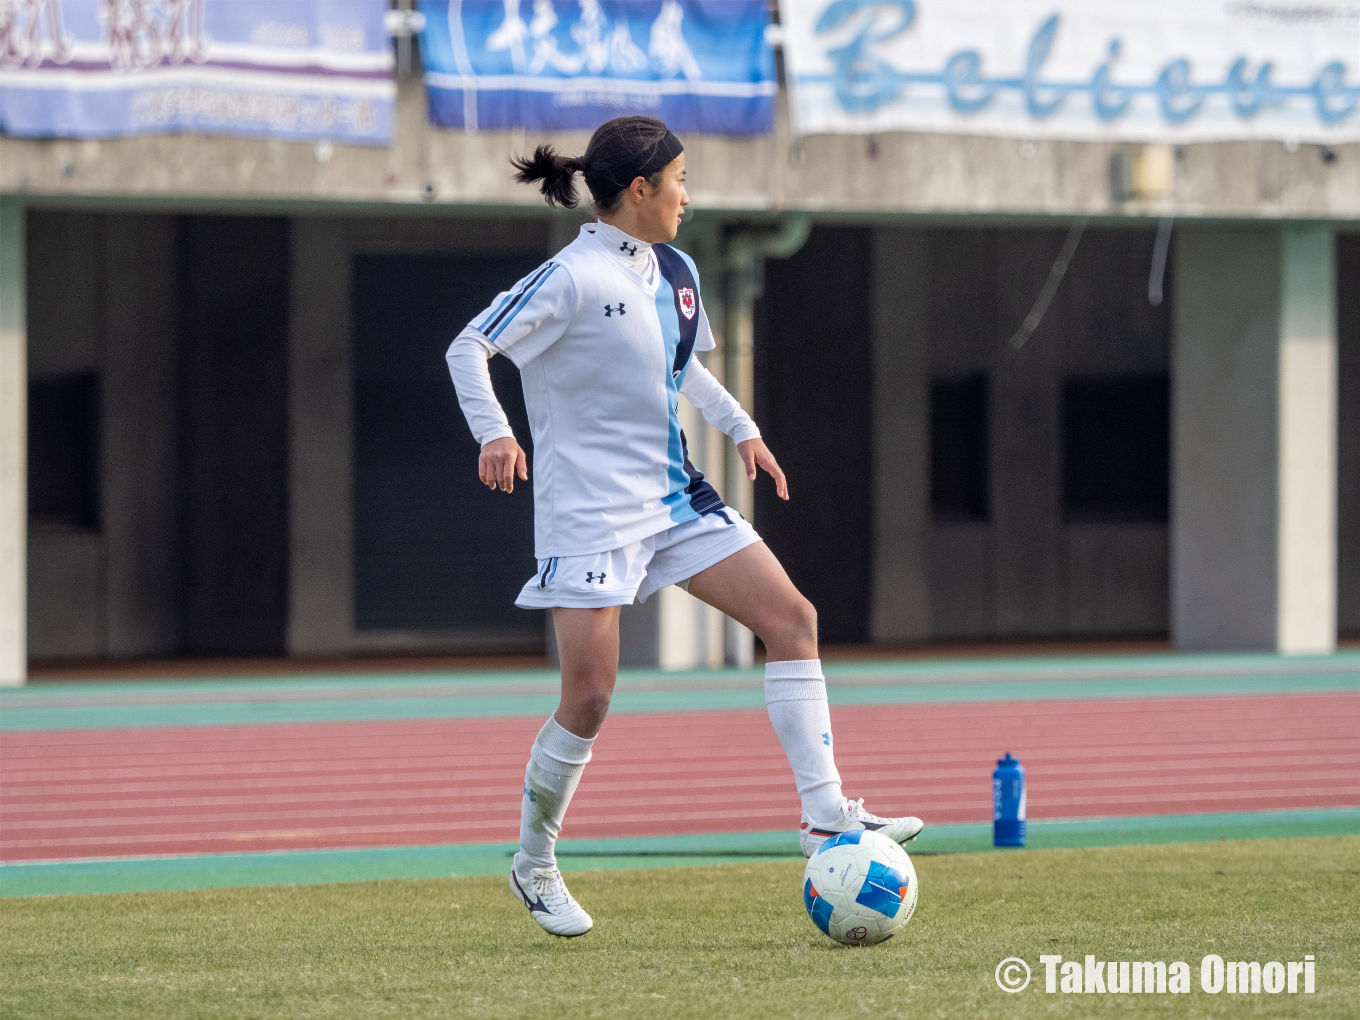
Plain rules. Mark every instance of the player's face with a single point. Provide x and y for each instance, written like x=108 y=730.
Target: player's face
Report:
x=664 y=207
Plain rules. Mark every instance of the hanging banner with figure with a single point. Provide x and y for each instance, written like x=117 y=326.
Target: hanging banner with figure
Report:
x=699 y=65
x=294 y=69
x=1155 y=70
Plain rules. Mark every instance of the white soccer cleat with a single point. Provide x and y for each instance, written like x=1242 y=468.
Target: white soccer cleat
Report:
x=854 y=817
x=549 y=902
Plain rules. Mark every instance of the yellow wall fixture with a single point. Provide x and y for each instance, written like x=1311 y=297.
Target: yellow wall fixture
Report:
x=1144 y=172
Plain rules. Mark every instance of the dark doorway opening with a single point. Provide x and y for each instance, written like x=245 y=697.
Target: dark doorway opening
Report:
x=434 y=549
x=958 y=449
x=1116 y=448
x=63 y=452
x=814 y=380
x=234 y=273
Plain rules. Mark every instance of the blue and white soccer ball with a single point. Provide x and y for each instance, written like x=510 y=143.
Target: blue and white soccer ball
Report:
x=859 y=888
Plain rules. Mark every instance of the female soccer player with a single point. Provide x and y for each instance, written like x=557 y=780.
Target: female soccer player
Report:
x=604 y=336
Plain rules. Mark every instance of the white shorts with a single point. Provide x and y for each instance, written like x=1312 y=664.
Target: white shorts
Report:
x=617 y=577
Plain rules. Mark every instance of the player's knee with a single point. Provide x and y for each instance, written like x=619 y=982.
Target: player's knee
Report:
x=593 y=707
x=804 y=619
x=794 y=634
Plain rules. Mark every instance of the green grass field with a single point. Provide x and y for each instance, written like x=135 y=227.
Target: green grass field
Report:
x=723 y=941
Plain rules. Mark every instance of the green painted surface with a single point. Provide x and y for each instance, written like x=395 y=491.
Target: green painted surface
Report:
x=1133 y=664
x=534 y=693
x=310 y=867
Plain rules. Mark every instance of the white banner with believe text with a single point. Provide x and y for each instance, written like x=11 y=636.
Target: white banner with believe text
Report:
x=1152 y=70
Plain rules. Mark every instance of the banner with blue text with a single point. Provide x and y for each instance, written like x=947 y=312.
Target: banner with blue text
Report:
x=700 y=65
x=290 y=69
x=1155 y=70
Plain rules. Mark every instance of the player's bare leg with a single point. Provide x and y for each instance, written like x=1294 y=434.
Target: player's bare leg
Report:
x=588 y=647
x=752 y=587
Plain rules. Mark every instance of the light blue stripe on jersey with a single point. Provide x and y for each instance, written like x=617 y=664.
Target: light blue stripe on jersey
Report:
x=515 y=301
x=678 y=479
x=515 y=291
x=524 y=300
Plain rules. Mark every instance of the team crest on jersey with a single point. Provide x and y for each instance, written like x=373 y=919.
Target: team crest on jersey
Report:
x=687 y=303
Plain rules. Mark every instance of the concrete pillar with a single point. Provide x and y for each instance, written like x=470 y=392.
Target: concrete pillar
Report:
x=13 y=447
x=734 y=365
x=1254 y=422
x=1306 y=617
x=1348 y=433
x=900 y=606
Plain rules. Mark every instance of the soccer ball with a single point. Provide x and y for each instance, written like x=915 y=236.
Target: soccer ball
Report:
x=859 y=888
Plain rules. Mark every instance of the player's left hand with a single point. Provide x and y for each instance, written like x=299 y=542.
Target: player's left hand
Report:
x=754 y=454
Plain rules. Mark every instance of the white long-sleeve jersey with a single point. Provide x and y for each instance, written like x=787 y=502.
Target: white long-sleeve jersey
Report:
x=604 y=336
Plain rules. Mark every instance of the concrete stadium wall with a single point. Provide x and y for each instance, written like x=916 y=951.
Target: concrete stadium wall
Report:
x=321 y=475
x=892 y=173
x=946 y=303
x=107 y=293
x=1256 y=422
x=102 y=298
x=1027 y=572
x=174 y=317
x=107 y=296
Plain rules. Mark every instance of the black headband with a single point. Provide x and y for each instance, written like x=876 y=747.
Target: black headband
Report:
x=605 y=184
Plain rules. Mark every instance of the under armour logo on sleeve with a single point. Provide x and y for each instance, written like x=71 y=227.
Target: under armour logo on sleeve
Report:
x=628 y=249
x=609 y=310
x=591 y=578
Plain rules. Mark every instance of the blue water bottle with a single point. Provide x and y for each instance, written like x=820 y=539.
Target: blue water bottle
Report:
x=1008 y=802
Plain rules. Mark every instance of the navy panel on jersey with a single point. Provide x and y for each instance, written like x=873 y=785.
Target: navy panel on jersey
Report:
x=685 y=289
x=702 y=496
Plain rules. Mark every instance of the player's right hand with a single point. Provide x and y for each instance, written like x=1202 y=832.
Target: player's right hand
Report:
x=501 y=460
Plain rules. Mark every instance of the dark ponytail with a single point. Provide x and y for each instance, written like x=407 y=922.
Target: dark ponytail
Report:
x=620 y=151
x=558 y=174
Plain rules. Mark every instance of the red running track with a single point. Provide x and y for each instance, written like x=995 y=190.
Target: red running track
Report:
x=99 y=793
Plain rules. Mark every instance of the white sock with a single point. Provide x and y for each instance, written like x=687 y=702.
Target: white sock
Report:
x=795 y=695
x=554 y=771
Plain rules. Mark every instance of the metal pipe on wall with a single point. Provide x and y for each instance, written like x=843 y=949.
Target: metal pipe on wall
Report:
x=745 y=250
